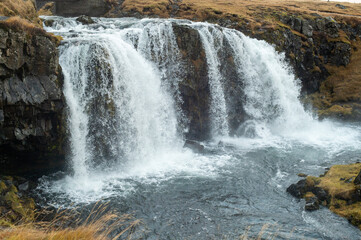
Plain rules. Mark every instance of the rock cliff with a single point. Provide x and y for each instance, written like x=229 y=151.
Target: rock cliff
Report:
x=31 y=101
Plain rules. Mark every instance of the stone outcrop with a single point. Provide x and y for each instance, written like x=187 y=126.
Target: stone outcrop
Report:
x=194 y=87
x=31 y=102
x=338 y=189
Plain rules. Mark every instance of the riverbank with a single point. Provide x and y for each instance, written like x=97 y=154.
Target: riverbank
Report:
x=338 y=189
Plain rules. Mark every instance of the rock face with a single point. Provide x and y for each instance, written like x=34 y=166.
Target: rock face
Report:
x=31 y=102
x=195 y=89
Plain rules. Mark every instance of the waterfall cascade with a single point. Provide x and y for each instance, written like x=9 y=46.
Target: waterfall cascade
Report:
x=121 y=86
x=136 y=89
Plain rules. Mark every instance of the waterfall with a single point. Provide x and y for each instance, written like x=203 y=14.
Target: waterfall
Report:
x=121 y=88
x=119 y=109
x=271 y=90
x=212 y=39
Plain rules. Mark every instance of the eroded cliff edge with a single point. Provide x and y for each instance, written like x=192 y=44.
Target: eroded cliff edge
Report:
x=31 y=100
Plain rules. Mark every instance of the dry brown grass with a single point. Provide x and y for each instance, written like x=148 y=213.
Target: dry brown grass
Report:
x=249 y=11
x=24 y=8
x=20 y=24
x=47 y=9
x=100 y=224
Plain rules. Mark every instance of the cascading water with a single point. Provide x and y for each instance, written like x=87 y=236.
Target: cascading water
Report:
x=126 y=131
x=212 y=39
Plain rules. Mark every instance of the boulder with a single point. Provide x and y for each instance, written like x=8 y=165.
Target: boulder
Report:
x=194 y=145
x=86 y=20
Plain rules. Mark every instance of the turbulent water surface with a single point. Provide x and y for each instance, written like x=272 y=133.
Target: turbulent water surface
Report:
x=126 y=131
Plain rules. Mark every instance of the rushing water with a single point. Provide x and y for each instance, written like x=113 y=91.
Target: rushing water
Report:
x=126 y=131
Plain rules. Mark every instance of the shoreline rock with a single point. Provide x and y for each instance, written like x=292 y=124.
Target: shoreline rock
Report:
x=338 y=189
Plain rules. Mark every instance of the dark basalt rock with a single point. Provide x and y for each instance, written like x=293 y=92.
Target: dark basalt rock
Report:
x=31 y=103
x=194 y=87
x=85 y=20
x=194 y=145
x=298 y=190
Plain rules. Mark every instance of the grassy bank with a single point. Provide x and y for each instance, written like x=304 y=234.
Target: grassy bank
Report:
x=343 y=194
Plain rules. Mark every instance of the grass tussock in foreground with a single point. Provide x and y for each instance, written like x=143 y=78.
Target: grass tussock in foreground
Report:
x=100 y=224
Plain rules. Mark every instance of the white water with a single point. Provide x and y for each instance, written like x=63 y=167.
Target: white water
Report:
x=212 y=39
x=125 y=122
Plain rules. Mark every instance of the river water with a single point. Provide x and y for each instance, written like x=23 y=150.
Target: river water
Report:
x=126 y=136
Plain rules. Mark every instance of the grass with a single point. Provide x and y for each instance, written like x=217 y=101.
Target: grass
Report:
x=100 y=224
x=22 y=25
x=23 y=8
x=46 y=10
x=249 y=12
x=338 y=183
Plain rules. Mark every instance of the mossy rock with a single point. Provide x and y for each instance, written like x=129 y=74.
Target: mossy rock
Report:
x=3 y=187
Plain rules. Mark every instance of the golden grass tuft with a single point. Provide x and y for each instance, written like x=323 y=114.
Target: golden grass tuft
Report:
x=100 y=224
x=333 y=184
x=24 y=8
x=47 y=9
x=20 y=24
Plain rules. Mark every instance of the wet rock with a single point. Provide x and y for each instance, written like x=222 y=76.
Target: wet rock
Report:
x=302 y=175
x=194 y=87
x=321 y=194
x=194 y=145
x=49 y=22
x=312 y=204
x=298 y=190
x=85 y=20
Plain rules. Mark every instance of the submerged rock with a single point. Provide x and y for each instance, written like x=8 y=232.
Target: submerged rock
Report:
x=194 y=145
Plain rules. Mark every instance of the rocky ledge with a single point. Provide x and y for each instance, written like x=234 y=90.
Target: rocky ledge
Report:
x=339 y=189
x=31 y=99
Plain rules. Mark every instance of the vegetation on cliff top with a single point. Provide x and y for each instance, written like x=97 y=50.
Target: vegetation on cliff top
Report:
x=23 y=8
